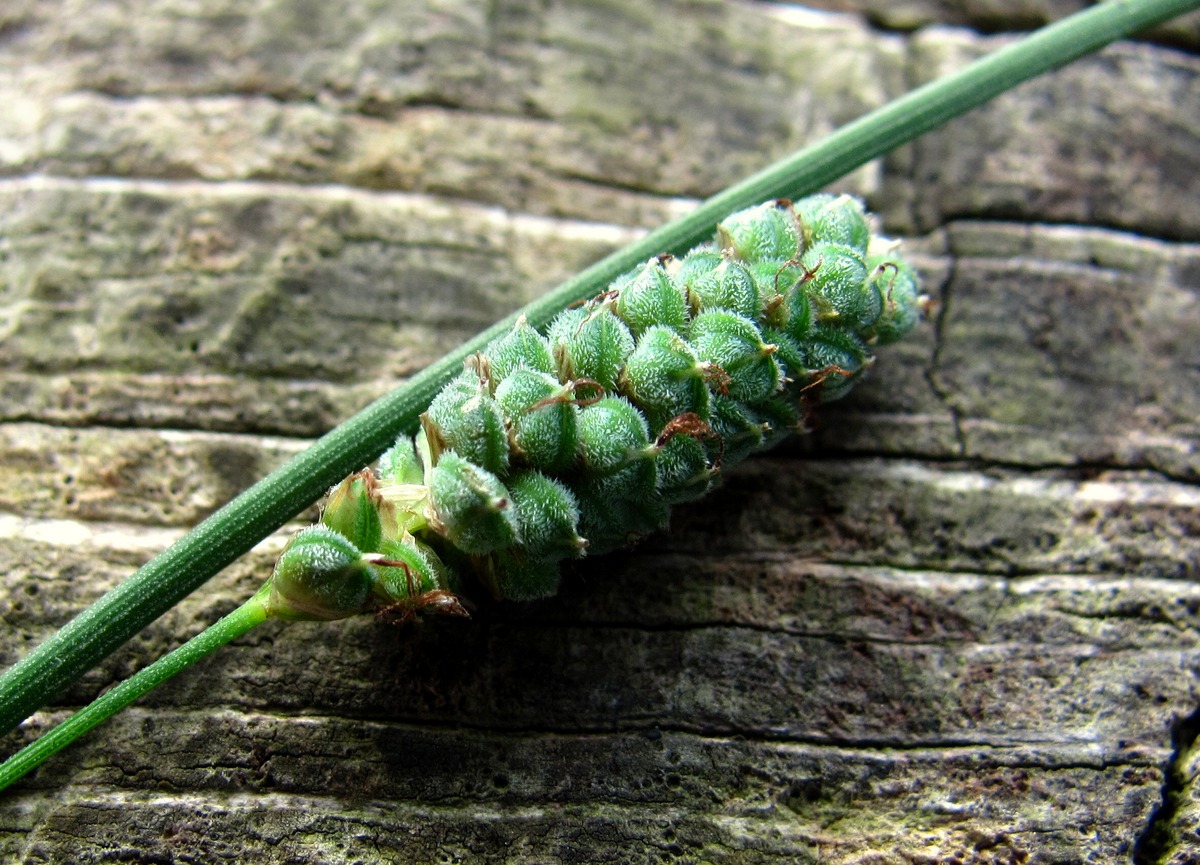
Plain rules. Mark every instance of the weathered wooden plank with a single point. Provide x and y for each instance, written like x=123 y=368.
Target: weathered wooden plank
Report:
x=958 y=623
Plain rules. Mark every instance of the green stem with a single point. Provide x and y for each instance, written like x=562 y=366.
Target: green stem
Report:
x=234 y=529
x=109 y=703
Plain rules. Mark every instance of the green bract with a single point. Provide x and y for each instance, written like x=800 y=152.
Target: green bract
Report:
x=581 y=439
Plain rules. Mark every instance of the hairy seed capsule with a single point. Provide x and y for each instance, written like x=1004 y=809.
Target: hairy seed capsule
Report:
x=738 y=429
x=735 y=345
x=612 y=434
x=684 y=471
x=721 y=284
x=618 y=509
x=400 y=464
x=787 y=351
x=542 y=417
x=549 y=516
x=513 y=575
x=320 y=576
x=837 y=284
x=472 y=506
x=775 y=276
x=664 y=377
x=834 y=219
x=520 y=348
x=779 y=419
x=412 y=570
x=695 y=267
x=896 y=286
x=464 y=418
x=647 y=298
x=835 y=358
x=766 y=231
x=590 y=344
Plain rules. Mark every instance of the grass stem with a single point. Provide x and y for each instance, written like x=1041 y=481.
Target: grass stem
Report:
x=112 y=701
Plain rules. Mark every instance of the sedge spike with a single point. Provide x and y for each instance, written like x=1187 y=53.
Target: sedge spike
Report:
x=578 y=439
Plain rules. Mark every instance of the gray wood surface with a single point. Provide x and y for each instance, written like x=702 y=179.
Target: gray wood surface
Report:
x=958 y=623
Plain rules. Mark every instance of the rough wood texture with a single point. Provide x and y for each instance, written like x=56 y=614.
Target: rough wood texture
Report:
x=960 y=623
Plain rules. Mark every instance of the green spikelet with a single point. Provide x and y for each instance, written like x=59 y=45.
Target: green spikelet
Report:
x=580 y=439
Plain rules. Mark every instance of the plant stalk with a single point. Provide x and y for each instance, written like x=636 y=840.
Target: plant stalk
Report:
x=228 y=628
x=261 y=509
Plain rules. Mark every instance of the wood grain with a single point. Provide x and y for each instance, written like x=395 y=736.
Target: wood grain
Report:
x=960 y=622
